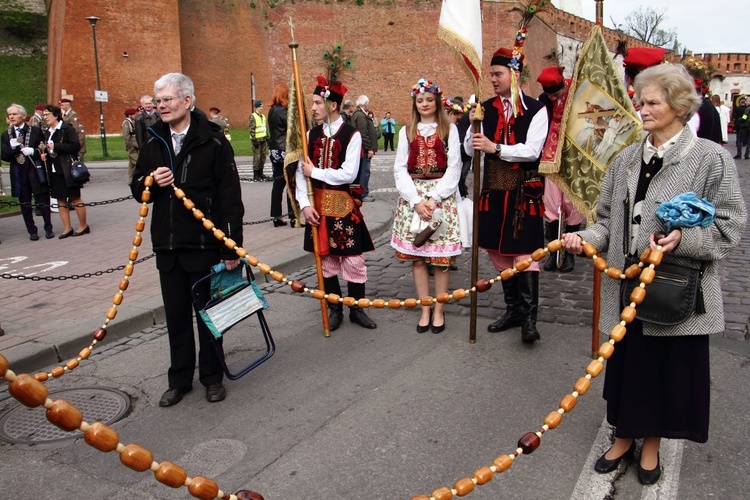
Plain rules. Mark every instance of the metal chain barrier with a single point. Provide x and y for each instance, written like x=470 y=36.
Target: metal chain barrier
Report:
x=71 y=276
x=67 y=205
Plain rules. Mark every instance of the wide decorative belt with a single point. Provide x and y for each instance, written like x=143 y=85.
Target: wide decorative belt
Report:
x=333 y=203
x=500 y=175
x=427 y=176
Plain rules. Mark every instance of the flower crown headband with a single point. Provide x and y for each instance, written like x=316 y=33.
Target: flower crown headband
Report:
x=424 y=85
x=451 y=105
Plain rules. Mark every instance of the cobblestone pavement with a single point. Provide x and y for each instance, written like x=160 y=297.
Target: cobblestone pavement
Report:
x=564 y=298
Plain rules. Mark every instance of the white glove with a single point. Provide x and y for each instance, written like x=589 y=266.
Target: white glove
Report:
x=27 y=151
x=51 y=146
x=14 y=143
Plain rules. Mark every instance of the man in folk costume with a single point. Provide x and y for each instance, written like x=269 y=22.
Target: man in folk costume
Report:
x=555 y=95
x=511 y=211
x=334 y=150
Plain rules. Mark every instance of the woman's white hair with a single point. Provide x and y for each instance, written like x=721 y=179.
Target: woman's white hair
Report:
x=676 y=86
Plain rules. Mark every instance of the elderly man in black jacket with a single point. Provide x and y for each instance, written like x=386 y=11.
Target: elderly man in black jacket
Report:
x=187 y=150
x=19 y=148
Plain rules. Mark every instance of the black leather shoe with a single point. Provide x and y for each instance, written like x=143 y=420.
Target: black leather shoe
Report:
x=423 y=329
x=358 y=316
x=66 y=235
x=33 y=236
x=83 y=231
x=215 y=393
x=508 y=320
x=604 y=465
x=278 y=222
x=335 y=316
x=649 y=477
x=529 y=333
x=49 y=235
x=737 y=157
x=172 y=397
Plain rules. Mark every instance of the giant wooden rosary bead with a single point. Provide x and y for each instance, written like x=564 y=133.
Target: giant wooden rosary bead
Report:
x=85 y=353
x=203 y=488
x=378 y=303
x=219 y=234
x=3 y=365
x=230 y=243
x=143 y=211
x=298 y=286
x=632 y=271
x=58 y=371
x=72 y=364
x=179 y=193
x=140 y=225
x=589 y=249
x=637 y=295
x=655 y=257
x=146 y=196
x=364 y=303
x=188 y=204
x=128 y=271
x=568 y=403
x=252 y=260
x=628 y=314
x=426 y=301
x=554 y=245
x=99 y=334
x=136 y=457
x=333 y=298
x=442 y=494
x=464 y=486
x=647 y=276
x=64 y=415
x=170 y=474
x=410 y=303
x=351 y=301
x=148 y=181
x=28 y=390
x=617 y=333
x=644 y=255
x=198 y=214
x=582 y=385
x=523 y=265
x=507 y=274
x=137 y=240
x=102 y=437
x=394 y=304
x=208 y=225
x=503 y=463
x=459 y=293
x=600 y=264
x=553 y=419
x=483 y=285
x=241 y=253
x=529 y=442
x=595 y=368
x=483 y=475
x=614 y=273
x=133 y=254
x=444 y=297
x=538 y=254
x=606 y=350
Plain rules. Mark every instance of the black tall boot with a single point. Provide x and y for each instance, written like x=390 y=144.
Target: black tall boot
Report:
x=335 y=311
x=356 y=314
x=550 y=233
x=528 y=291
x=512 y=316
x=569 y=260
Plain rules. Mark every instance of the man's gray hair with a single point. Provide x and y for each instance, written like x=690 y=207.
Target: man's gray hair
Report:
x=348 y=104
x=21 y=109
x=363 y=100
x=182 y=84
x=146 y=98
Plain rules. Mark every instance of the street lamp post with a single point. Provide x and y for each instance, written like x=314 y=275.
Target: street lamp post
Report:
x=92 y=20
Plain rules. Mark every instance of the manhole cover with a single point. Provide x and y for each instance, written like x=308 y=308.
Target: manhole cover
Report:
x=22 y=425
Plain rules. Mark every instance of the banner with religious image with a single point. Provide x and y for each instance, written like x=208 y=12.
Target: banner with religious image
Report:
x=599 y=121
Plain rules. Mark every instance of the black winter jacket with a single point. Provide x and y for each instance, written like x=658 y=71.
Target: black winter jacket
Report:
x=277 y=127
x=205 y=170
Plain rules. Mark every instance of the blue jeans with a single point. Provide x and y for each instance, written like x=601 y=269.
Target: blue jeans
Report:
x=364 y=174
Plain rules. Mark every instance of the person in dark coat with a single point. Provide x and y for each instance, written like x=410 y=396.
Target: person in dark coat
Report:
x=511 y=223
x=62 y=148
x=20 y=147
x=187 y=150
x=277 y=116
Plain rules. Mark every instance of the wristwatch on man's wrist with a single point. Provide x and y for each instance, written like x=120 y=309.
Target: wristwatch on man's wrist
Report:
x=498 y=148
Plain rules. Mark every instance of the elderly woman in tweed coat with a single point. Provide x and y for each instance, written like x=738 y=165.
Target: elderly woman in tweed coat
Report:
x=657 y=382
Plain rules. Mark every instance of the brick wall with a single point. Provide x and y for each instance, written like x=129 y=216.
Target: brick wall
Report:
x=220 y=43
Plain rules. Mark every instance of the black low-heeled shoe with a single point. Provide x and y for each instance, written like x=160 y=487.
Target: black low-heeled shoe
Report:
x=86 y=230
x=423 y=329
x=438 y=329
x=278 y=222
x=649 y=477
x=605 y=465
x=66 y=235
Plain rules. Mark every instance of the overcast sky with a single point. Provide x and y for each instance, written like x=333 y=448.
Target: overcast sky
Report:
x=702 y=26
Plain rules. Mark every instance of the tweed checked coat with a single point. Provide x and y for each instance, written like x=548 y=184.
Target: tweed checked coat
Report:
x=691 y=164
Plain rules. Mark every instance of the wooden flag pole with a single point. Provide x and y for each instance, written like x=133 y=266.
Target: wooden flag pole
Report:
x=597 y=275
x=310 y=193
x=476 y=128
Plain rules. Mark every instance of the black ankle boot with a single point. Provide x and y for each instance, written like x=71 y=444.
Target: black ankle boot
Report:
x=512 y=316
x=550 y=233
x=335 y=311
x=528 y=291
x=356 y=314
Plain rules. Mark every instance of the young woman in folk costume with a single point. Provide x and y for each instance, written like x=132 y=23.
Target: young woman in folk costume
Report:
x=427 y=169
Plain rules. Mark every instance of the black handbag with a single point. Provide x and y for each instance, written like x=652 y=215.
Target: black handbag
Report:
x=40 y=172
x=673 y=295
x=79 y=173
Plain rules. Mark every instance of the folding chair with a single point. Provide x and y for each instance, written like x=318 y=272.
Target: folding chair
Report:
x=233 y=298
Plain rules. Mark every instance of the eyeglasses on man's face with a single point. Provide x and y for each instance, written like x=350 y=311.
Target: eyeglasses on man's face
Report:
x=166 y=100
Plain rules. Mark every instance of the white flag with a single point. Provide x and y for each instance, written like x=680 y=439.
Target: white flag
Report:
x=461 y=28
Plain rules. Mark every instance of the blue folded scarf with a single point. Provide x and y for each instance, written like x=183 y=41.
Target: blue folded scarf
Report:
x=686 y=210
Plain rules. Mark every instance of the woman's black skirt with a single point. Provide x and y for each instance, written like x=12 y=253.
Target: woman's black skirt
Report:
x=60 y=190
x=659 y=386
